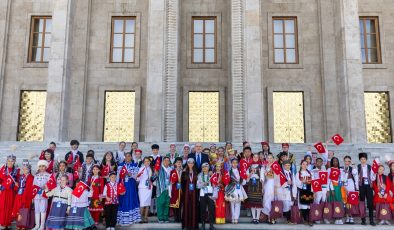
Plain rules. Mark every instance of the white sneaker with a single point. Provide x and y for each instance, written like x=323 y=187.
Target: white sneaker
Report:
x=326 y=221
x=388 y=222
x=340 y=221
x=381 y=222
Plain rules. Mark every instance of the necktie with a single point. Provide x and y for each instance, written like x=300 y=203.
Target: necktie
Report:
x=198 y=160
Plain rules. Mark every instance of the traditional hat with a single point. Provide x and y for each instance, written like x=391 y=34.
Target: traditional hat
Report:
x=42 y=163
x=285 y=145
x=186 y=145
x=138 y=151
x=26 y=163
x=264 y=143
x=11 y=157
x=205 y=165
x=190 y=161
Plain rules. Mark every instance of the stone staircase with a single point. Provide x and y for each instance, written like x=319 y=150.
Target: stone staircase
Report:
x=24 y=150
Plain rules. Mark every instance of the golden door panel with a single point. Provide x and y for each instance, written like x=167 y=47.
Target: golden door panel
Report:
x=377 y=117
x=204 y=116
x=119 y=116
x=288 y=117
x=32 y=116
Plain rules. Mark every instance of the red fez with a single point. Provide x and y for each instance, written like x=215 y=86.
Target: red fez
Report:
x=265 y=143
x=285 y=145
x=138 y=151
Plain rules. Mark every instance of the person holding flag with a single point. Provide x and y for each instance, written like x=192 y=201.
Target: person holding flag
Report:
x=145 y=188
x=350 y=183
x=336 y=193
x=382 y=187
x=287 y=189
x=96 y=183
x=176 y=189
x=255 y=188
x=108 y=164
x=219 y=180
x=74 y=157
x=40 y=199
x=129 y=205
x=320 y=173
x=9 y=175
x=79 y=216
x=155 y=164
x=366 y=177
x=112 y=191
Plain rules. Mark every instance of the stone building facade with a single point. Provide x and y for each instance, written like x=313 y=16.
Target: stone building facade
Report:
x=326 y=54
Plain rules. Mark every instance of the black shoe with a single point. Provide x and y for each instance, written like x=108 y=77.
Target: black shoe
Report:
x=372 y=223
x=203 y=225
x=211 y=227
x=363 y=221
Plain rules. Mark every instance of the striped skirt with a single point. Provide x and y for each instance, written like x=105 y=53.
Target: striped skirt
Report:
x=79 y=218
x=57 y=216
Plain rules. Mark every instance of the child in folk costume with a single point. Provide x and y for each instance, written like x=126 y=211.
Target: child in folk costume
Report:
x=79 y=216
x=111 y=193
x=318 y=173
x=74 y=158
x=206 y=192
x=349 y=178
x=9 y=175
x=41 y=200
x=49 y=155
x=366 y=177
x=108 y=164
x=155 y=158
x=190 y=196
x=269 y=188
x=303 y=180
x=129 y=206
x=219 y=180
x=336 y=193
x=87 y=166
x=234 y=191
x=255 y=183
x=62 y=171
x=61 y=204
x=382 y=187
x=24 y=193
x=176 y=189
x=97 y=186
x=145 y=188
x=162 y=192
x=287 y=192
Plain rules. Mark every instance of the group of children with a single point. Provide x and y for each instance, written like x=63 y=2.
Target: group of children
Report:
x=196 y=186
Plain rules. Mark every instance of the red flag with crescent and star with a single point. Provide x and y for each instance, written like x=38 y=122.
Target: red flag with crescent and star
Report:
x=226 y=178
x=334 y=174
x=352 y=198
x=243 y=175
x=276 y=168
x=35 y=190
x=316 y=185
x=337 y=139
x=105 y=171
x=375 y=166
x=282 y=178
x=78 y=190
x=8 y=181
x=174 y=176
x=214 y=179
x=51 y=184
x=320 y=147
x=121 y=188
x=323 y=177
x=243 y=165
x=158 y=164
x=123 y=172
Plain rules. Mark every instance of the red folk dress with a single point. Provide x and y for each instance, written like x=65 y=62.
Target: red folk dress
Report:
x=24 y=194
x=96 y=202
x=8 y=177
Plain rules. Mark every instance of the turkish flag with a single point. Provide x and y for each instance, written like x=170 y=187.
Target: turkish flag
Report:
x=214 y=179
x=8 y=181
x=226 y=178
x=352 y=198
x=375 y=166
x=77 y=164
x=51 y=184
x=76 y=175
x=320 y=147
x=105 y=171
x=243 y=174
x=276 y=168
x=282 y=178
x=334 y=174
x=323 y=177
x=123 y=172
x=79 y=188
x=35 y=190
x=158 y=164
x=316 y=185
x=337 y=139
x=243 y=165
x=174 y=177
x=42 y=155
x=121 y=188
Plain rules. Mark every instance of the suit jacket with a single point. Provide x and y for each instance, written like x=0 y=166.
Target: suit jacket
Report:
x=80 y=155
x=204 y=159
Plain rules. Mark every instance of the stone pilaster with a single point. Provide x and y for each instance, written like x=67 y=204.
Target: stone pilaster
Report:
x=237 y=70
x=253 y=74
x=349 y=72
x=58 y=73
x=171 y=70
x=155 y=71
x=4 y=21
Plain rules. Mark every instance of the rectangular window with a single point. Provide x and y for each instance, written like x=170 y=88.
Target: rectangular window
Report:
x=40 y=39
x=288 y=117
x=285 y=36
x=204 y=40
x=31 y=116
x=204 y=116
x=377 y=117
x=119 y=114
x=370 y=43
x=123 y=39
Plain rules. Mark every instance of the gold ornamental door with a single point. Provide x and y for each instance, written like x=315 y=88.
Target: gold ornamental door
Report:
x=204 y=116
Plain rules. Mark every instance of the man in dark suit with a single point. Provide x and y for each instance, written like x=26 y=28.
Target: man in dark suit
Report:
x=72 y=156
x=199 y=157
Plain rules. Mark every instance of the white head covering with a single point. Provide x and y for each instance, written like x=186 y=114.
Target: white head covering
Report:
x=42 y=162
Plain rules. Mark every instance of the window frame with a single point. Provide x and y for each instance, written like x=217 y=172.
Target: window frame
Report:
x=204 y=18
x=296 y=48
x=42 y=47
x=377 y=37
x=124 y=18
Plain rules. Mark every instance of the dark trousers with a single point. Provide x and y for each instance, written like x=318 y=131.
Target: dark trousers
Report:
x=305 y=214
x=177 y=214
x=205 y=202
x=287 y=215
x=110 y=212
x=367 y=192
